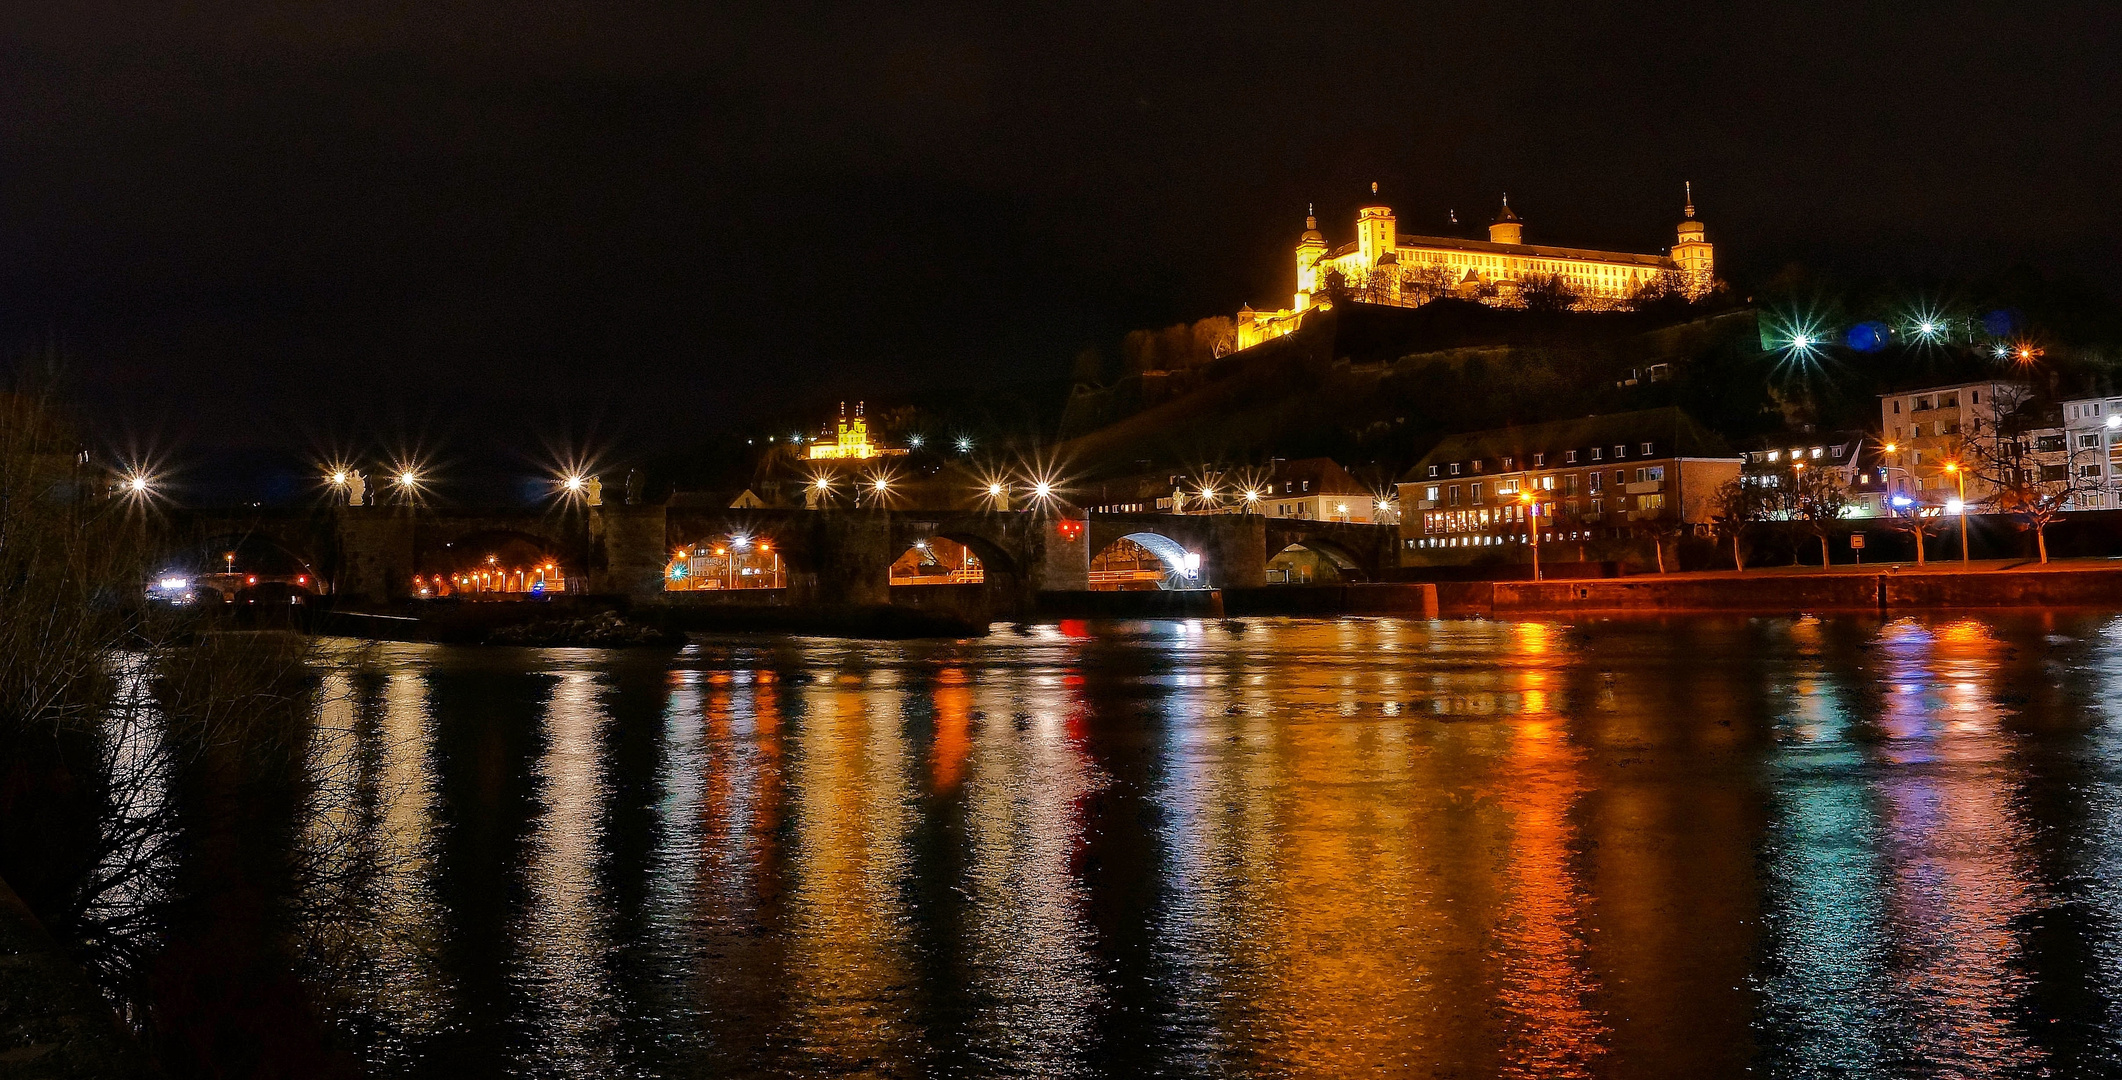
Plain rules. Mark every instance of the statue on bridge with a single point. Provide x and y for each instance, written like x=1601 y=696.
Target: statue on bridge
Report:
x=593 y=492
x=356 y=489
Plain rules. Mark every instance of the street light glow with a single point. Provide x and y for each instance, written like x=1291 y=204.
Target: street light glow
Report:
x=408 y=478
x=137 y=484
x=994 y=491
x=1042 y=489
x=339 y=478
x=822 y=483
x=879 y=484
x=964 y=444
x=573 y=483
x=1954 y=506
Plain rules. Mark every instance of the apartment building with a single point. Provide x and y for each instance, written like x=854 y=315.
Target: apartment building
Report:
x=1599 y=478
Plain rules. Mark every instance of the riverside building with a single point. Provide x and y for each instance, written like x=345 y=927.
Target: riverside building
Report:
x=1388 y=266
x=1597 y=481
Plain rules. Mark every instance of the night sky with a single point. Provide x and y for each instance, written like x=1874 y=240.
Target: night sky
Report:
x=250 y=227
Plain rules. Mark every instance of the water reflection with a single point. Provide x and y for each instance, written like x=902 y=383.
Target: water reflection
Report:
x=1350 y=847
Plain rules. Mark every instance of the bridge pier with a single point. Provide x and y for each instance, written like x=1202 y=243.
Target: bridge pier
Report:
x=849 y=560
x=376 y=553
x=628 y=550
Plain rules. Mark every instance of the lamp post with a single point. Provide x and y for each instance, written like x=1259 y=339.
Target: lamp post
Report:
x=1532 y=528
x=1960 y=476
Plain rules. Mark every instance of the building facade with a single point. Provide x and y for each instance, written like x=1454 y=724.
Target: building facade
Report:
x=2092 y=427
x=1595 y=480
x=1394 y=267
x=1852 y=457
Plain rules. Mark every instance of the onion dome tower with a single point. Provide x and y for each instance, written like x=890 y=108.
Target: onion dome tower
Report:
x=1693 y=254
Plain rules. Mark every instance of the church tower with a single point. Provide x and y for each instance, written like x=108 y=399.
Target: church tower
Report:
x=1310 y=247
x=1693 y=254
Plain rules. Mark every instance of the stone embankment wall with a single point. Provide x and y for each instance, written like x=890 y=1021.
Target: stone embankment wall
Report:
x=1884 y=591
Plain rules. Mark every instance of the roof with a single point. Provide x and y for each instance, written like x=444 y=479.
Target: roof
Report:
x=1671 y=433
x=1533 y=251
x=1325 y=475
x=1523 y=251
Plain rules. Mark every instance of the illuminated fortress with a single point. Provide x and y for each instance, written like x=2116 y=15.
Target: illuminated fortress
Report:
x=1384 y=266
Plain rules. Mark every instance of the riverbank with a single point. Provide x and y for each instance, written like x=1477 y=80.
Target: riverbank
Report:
x=1881 y=587
x=53 y=1023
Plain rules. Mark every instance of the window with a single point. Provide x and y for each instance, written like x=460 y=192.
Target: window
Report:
x=1455 y=468
x=1897 y=406
x=1569 y=457
x=1509 y=462
x=1646 y=450
x=1454 y=493
x=2054 y=472
x=1596 y=454
x=1595 y=478
x=1620 y=451
x=2089 y=441
x=1477 y=464
x=1775 y=455
x=2093 y=409
x=1539 y=460
x=2089 y=472
x=1949 y=401
x=1430 y=493
x=1432 y=475
x=1308 y=484
x=1477 y=486
x=1569 y=484
x=1621 y=477
x=2048 y=444
x=1922 y=404
x=1650 y=502
x=1974 y=397
x=1838 y=453
x=1657 y=472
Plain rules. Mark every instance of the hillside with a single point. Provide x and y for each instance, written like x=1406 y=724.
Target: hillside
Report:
x=1377 y=386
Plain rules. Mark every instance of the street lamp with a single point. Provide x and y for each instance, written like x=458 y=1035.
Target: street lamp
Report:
x=1532 y=527
x=1959 y=506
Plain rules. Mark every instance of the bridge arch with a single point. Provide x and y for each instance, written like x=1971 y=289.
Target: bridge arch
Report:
x=1305 y=560
x=497 y=561
x=1118 y=565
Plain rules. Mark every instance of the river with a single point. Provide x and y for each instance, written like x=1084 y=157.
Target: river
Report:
x=1639 y=847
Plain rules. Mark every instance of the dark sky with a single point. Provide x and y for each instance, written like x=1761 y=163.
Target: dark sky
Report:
x=492 y=224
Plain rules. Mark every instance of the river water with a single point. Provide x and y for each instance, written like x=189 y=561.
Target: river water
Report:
x=1363 y=847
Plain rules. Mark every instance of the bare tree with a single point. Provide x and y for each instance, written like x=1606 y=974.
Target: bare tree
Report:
x=1547 y=292
x=1912 y=516
x=1738 y=505
x=1661 y=525
x=1818 y=497
x=2007 y=450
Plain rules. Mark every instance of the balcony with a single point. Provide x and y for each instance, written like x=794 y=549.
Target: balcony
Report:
x=1646 y=487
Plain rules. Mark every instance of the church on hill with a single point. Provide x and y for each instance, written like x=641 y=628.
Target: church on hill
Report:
x=1385 y=266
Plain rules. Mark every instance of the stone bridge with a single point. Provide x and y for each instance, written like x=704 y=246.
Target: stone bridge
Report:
x=831 y=557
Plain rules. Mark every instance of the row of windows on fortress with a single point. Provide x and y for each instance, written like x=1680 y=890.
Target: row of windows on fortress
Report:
x=1569 y=457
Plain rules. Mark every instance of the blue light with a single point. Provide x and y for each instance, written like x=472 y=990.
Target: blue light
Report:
x=1868 y=337
x=677 y=571
x=1903 y=502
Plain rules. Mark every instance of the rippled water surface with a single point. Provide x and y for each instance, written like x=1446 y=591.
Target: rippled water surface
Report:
x=1302 y=848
